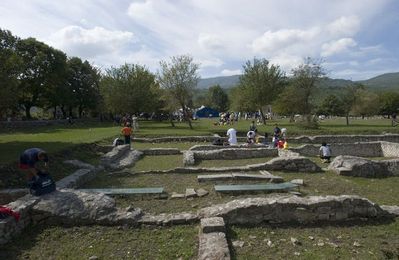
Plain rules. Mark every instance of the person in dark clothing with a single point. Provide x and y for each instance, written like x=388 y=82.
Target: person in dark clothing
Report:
x=30 y=158
x=277 y=131
x=252 y=127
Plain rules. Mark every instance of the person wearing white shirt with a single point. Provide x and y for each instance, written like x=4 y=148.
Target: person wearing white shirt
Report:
x=232 y=134
x=325 y=152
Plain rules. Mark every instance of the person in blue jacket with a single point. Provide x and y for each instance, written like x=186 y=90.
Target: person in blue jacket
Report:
x=29 y=159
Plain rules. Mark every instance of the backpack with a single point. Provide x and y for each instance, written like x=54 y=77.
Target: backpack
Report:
x=42 y=184
x=217 y=141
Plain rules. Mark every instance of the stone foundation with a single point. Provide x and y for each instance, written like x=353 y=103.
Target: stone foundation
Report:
x=361 y=149
x=317 y=139
x=361 y=167
x=287 y=209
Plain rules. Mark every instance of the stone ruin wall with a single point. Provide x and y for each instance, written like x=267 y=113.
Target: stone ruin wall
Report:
x=81 y=208
x=371 y=149
x=253 y=211
x=317 y=139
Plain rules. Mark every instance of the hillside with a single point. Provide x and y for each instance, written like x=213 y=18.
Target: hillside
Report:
x=384 y=81
x=224 y=82
x=388 y=81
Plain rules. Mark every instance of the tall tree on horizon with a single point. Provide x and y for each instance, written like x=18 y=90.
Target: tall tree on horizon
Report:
x=179 y=77
x=260 y=84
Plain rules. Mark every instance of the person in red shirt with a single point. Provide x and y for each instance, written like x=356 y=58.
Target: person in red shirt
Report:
x=127 y=132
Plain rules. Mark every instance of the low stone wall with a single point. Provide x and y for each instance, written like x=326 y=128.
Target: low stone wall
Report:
x=317 y=139
x=208 y=147
x=370 y=149
x=253 y=211
x=120 y=157
x=390 y=149
x=288 y=164
x=235 y=153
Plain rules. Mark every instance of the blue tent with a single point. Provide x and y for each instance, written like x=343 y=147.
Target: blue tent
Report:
x=206 y=112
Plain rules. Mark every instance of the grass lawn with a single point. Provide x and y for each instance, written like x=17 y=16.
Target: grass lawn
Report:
x=360 y=240
x=42 y=242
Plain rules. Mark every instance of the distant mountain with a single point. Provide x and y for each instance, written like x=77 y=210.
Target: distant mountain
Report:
x=224 y=82
x=388 y=81
x=384 y=81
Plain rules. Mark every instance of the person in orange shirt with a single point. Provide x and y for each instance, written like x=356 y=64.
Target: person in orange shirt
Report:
x=127 y=132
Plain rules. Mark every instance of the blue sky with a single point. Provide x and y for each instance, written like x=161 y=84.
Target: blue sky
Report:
x=356 y=39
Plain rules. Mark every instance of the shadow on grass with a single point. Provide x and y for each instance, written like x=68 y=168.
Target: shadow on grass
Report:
x=12 y=177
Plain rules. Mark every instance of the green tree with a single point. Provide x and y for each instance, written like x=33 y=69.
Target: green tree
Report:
x=349 y=98
x=41 y=68
x=331 y=106
x=10 y=65
x=179 y=77
x=286 y=102
x=366 y=104
x=217 y=98
x=305 y=78
x=130 y=88
x=260 y=84
x=389 y=103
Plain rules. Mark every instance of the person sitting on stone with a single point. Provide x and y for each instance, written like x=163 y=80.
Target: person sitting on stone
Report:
x=325 y=152
x=251 y=137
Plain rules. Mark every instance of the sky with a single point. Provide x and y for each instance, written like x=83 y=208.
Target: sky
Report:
x=354 y=39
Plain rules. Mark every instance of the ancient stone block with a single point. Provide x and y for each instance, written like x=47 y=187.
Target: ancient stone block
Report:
x=215 y=224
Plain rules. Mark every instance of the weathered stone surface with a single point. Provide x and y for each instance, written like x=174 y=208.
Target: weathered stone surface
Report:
x=71 y=206
x=213 y=246
x=168 y=219
x=202 y=192
x=79 y=164
x=76 y=179
x=116 y=153
x=215 y=224
x=128 y=160
x=188 y=158
x=190 y=192
x=297 y=181
x=394 y=210
x=8 y=195
x=177 y=196
x=358 y=167
x=283 y=209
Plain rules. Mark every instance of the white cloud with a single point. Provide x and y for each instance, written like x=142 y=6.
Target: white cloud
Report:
x=210 y=62
x=271 y=41
x=227 y=72
x=209 y=41
x=338 y=46
x=344 y=26
x=89 y=43
x=287 y=62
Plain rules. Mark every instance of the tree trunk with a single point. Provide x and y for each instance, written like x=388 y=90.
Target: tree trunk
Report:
x=27 y=111
x=262 y=116
x=55 y=112
x=347 y=119
x=80 y=109
x=64 y=114
x=171 y=120
x=292 y=118
x=187 y=118
x=70 y=111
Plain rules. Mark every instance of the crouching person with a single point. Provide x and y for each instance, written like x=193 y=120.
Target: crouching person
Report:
x=39 y=181
x=325 y=152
